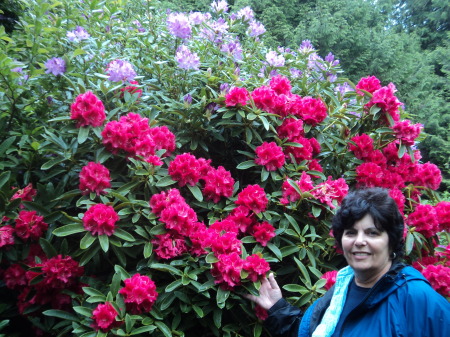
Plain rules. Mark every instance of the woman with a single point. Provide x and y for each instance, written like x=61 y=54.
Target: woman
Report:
x=376 y=295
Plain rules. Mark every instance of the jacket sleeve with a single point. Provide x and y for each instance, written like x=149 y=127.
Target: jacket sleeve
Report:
x=284 y=319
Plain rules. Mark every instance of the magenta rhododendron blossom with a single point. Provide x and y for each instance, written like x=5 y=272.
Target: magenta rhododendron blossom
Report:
x=363 y=146
x=290 y=194
x=6 y=236
x=305 y=152
x=164 y=139
x=104 y=316
x=331 y=190
x=218 y=183
x=15 y=277
x=407 y=132
x=439 y=278
x=385 y=99
x=237 y=96
x=281 y=85
x=178 y=25
x=313 y=110
x=120 y=71
x=399 y=198
x=254 y=198
x=100 y=219
x=169 y=245
x=227 y=271
x=291 y=129
x=29 y=225
x=56 y=66
x=443 y=215
x=179 y=217
x=369 y=175
x=270 y=155
x=26 y=194
x=243 y=218
x=132 y=89
x=94 y=177
x=263 y=232
x=139 y=294
x=225 y=243
x=330 y=276
x=261 y=313
x=427 y=175
x=264 y=98
x=162 y=200
x=424 y=219
x=185 y=169
x=369 y=84
x=256 y=267
x=61 y=272
x=88 y=110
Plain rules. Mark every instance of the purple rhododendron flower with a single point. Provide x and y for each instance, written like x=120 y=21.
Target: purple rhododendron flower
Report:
x=233 y=48
x=274 y=59
x=120 y=70
x=343 y=88
x=186 y=59
x=78 y=34
x=246 y=14
x=295 y=73
x=178 y=25
x=56 y=66
x=255 y=28
x=197 y=18
x=330 y=58
x=219 y=6
x=306 y=46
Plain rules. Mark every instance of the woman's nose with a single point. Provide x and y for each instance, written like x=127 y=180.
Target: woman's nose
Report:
x=360 y=239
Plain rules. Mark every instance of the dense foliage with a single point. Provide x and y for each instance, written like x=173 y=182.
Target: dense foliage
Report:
x=155 y=165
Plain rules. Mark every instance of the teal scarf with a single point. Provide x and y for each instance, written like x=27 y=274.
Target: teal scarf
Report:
x=333 y=313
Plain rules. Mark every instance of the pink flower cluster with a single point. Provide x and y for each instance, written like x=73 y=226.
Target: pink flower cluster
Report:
x=270 y=155
x=406 y=132
x=132 y=89
x=58 y=274
x=383 y=97
x=26 y=194
x=100 y=219
x=94 y=177
x=429 y=220
x=439 y=278
x=237 y=96
x=187 y=169
x=277 y=98
x=88 y=110
x=329 y=192
x=185 y=234
x=105 y=317
x=30 y=226
x=139 y=293
x=384 y=168
x=133 y=135
x=330 y=276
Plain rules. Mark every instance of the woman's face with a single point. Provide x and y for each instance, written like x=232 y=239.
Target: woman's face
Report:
x=366 y=250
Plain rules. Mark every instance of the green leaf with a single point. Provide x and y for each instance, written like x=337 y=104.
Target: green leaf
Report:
x=124 y=235
x=83 y=311
x=316 y=210
x=87 y=241
x=148 y=249
x=196 y=192
x=104 y=242
x=222 y=296
x=123 y=273
x=401 y=150
x=166 y=268
x=68 y=230
x=83 y=134
x=172 y=286
x=92 y=292
x=4 y=177
x=52 y=163
x=163 y=328
x=47 y=247
x=295 y=288
x=275 y=250
x=60 y=314
x=158 y=229
x=142 y=329
x=217 y=317
x=211 y=258
x=6 y=144
x=89 y=254
x=246 y=164
x=78 y=51
x=303 y=270
x=409 y=243
x=165 y=181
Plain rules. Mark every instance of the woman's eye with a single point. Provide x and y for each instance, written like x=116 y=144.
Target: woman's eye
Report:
x=349 y=233
x=374 y=233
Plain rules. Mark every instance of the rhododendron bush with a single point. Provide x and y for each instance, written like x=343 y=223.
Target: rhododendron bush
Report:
x=156 y=165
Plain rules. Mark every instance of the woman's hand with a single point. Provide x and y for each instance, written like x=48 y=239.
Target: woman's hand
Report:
x=269 y=293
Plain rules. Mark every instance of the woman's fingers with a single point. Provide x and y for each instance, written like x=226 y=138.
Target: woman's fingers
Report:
x=273 y=282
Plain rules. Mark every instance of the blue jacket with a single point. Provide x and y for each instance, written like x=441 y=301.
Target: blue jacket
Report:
x=401 y=304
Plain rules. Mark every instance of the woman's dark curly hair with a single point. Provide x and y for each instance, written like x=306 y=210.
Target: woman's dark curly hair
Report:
x=383 y=209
